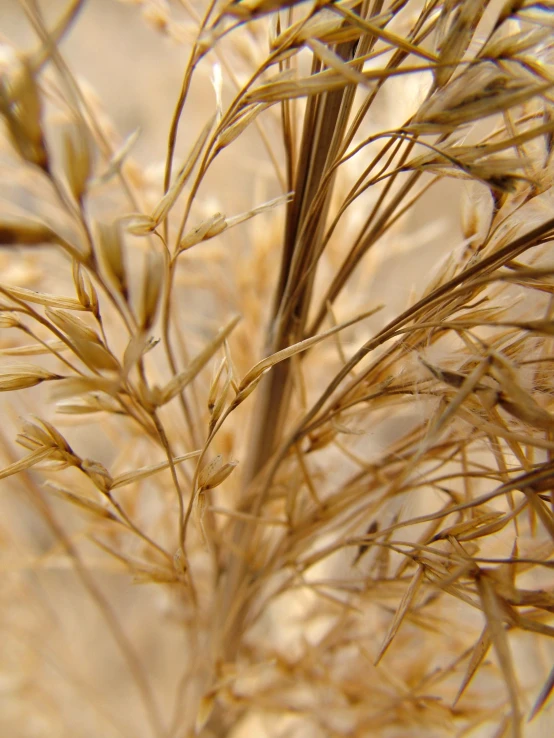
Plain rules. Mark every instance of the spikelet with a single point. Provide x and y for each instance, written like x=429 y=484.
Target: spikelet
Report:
x=21 y=108
x=20 y=376
x=25 y=233
x=110 y=246
x=77 y=160
x=152 y=285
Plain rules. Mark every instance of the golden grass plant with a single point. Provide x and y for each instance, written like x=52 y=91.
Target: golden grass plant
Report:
x=285 y=446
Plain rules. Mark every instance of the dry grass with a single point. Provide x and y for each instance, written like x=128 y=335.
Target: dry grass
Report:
x=316 y=426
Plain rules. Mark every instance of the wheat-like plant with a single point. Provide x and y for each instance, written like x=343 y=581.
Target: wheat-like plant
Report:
x=283 y=403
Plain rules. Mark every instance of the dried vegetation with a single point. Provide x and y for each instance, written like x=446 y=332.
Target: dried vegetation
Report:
x=318 y=432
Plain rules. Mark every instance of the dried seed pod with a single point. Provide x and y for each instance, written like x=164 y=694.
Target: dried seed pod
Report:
x=33 y=436
x=322 y=438
x=211 y=468
x=454 y=379
x=246 y=389
x=86 y=293
x=72 y=325
x=482 y=90
x=221 y=475
x=141 y=225
x=516 y=400
x=77 y=152
x=205 y=709
x=152 y=285
x=20 y=105
x=220 y=404
x=179 y=563
x=138 y=345
x=34 y=349
x=181 y=380
x=20 y=376
x=233 y=131
x=98 y=474
x=208 y=229
x=463 y=22
x=110 y=247
x=287 y=353
x=89 y=403
x=215 y=473
x=42 y=298
x=82 y=406
x=168 y=200
x=33 y=458
x=9 y=321
x=95 y=355
x=84 y=503
x=214 y=387
x=53 y=434
x=199 y=509
x=25 y=232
